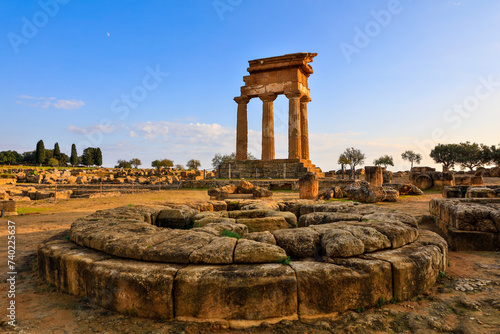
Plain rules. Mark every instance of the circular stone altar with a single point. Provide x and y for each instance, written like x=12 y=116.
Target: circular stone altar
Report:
x=243 y=262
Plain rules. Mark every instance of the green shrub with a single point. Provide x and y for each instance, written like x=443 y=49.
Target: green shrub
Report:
x=283 y=260
x=53 y=162
x=230 y=234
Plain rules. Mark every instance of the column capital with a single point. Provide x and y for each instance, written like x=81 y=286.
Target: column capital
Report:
x=294 y=95
x=241 y=99
x=269 y=97
x=305 y=98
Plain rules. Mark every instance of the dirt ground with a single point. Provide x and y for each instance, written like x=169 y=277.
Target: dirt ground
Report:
x=464 y=300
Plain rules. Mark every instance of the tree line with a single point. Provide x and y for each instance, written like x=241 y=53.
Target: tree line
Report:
x=135 y=163
x=193 y=164
x=466 y=155
x=52 y=157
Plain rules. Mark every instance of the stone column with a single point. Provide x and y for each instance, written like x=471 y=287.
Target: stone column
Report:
x=374 y=175
x=304 y=128
x=267 y=126
x=308 y=186
x=241 y=128
x=294 y=138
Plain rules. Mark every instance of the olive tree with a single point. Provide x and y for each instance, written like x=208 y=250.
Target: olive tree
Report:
x=162 y=163
x=385 y=160
x=355 y=158
x=193 y=164
x=472 y=155
x=445 y=154
x=412 y=157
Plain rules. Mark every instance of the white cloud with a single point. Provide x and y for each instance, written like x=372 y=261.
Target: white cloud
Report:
x=35 y=98
x=68 y=104
x=46 y=102
x=97 y=128
x=182 y=141
x=184 y=133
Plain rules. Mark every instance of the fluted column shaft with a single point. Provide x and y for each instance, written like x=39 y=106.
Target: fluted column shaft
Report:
x=294 y=133
x=241 y=128
x=267 y=126
x=304 y=127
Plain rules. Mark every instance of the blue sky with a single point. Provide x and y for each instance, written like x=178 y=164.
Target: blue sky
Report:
x=156 y=79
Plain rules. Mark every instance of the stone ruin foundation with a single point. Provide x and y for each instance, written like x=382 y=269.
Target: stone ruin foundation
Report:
x=243 y=262
x=471 y=192
x=471 y=224
x=427 y=178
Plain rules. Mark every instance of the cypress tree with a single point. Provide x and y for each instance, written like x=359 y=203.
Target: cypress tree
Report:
x=57 y=152
x=74 y=156
x=40 y=152
x=98 y=157
x=88 y=156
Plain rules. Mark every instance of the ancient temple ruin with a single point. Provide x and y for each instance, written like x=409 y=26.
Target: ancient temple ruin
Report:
x=270 y=77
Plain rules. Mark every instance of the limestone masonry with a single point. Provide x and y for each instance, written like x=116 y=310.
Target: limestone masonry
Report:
x=243 y=262
x=270 y=77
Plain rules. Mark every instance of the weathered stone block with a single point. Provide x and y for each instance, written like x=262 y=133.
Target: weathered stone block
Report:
x=477 y=180
x=179 y=248
x=290 y=218
x=463 y=180
x=175 y=218
x=374 y=176
x=264 y=224
x=10 y=207
x=64 y=264
x=399 y=234
x=324 y=289
x=414 y=268
x=424 y=181
x=219 y=251
x=250 y=251
x=265 y=237
x=391 y=195
x=452 y=192
x=480 y=192
x=308 y=186
x=137 y=288
x=300 y=242
x=243 y=292
x=340 y=243
x=318 y=218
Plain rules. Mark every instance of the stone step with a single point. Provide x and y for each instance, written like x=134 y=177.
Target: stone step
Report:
x=274 y=169
x=310 y=167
